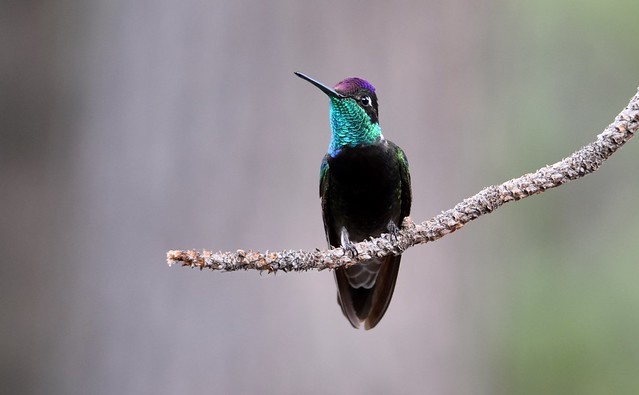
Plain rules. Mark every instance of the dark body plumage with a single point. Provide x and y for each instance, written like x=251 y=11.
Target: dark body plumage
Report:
x=365 y=191
x=363 y=188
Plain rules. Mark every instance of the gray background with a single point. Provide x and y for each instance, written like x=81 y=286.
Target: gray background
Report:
x=128 y=128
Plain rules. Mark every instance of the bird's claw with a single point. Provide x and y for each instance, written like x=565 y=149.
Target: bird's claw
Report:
x=393 y=230
x=350 y=249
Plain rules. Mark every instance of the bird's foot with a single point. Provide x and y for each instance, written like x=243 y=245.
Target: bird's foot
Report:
x=393 y=230
x=346 y=243
x=350 y=249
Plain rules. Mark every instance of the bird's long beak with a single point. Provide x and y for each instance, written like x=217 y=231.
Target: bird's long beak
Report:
x=329 y=91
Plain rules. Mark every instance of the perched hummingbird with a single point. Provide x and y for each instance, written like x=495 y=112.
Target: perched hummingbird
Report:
x=365 y=191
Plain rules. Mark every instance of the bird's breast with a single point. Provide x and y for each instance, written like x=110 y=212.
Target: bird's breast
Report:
x=364 y=189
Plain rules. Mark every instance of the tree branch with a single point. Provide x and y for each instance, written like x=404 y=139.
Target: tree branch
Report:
x=583 y=162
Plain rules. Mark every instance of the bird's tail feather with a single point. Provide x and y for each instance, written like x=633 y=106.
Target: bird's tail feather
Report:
x=367 y=305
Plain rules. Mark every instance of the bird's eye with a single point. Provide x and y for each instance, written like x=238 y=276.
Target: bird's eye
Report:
x=365 y=100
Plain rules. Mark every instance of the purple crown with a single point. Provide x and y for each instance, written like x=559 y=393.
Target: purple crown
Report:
x=352 y=85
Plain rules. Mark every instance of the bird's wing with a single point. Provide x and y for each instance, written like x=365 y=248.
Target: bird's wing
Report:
x=331 y=236
x=407 y=194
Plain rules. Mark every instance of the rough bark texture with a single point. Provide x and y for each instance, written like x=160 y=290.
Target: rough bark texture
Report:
x=583 y=162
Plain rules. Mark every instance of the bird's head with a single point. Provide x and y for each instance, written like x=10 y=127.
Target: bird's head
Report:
x=354 y=113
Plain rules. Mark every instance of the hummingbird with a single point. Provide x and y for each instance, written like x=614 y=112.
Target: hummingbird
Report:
x=365 y=191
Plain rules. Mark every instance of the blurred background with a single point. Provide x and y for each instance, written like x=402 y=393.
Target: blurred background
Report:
x=128 y=128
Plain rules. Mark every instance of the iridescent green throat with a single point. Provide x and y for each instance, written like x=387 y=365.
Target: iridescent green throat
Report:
x=351 y=126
